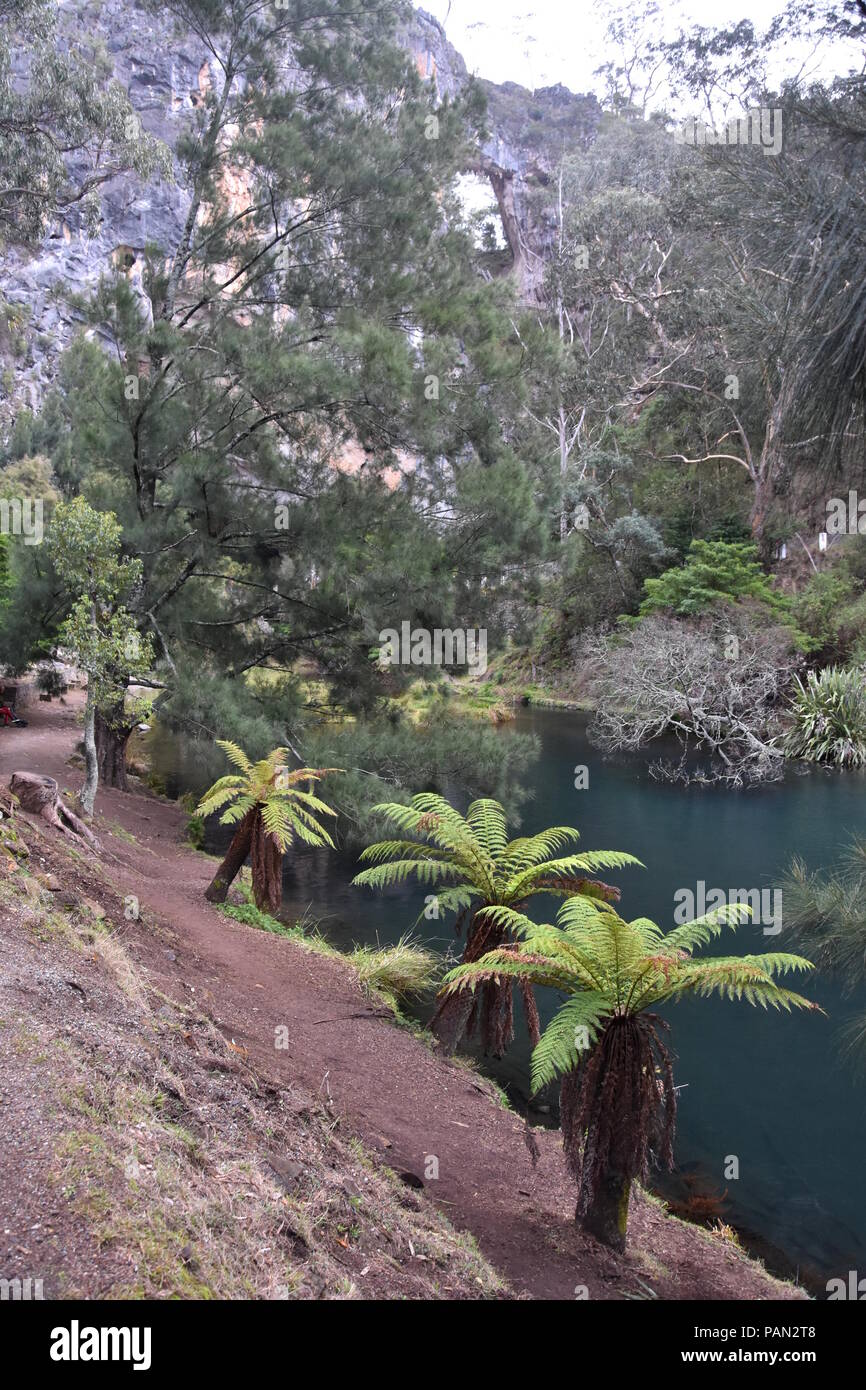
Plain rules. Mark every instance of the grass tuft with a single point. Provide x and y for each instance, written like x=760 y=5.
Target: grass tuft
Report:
x=400 y=973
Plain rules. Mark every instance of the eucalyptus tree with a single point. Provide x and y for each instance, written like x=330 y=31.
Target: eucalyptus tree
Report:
x=606 y=298
x=64 y=131
x=99 y=630
x=779 y=379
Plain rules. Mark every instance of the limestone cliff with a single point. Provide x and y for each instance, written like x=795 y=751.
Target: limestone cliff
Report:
x=166 y=74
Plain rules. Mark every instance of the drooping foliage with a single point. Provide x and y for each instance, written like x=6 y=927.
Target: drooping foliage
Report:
x=66 y=130
x=825 y=914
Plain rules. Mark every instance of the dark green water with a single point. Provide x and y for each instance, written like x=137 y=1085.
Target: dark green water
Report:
x=766 y=1087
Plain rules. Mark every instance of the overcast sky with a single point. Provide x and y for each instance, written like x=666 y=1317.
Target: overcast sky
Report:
x=540 y=42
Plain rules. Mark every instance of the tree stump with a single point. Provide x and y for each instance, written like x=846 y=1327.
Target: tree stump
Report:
x=39 y=795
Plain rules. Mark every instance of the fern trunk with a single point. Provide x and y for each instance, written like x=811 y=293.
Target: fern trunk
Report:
x=234 y=860
x=490 y=1011
x=607 y=1216
x=267 y=864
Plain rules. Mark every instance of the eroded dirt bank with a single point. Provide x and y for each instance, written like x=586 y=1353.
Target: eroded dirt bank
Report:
x=153 y=1042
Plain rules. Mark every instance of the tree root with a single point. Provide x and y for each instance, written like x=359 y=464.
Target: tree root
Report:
x=39 y=795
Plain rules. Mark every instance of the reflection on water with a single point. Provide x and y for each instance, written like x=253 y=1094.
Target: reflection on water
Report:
x=766 y=1088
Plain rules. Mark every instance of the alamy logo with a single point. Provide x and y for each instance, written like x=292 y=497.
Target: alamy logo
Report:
x=21 y=1290
x=846 y=518
x=77 y=1343
x=441 y=647
x=765 y=904
x=853 y=1288
x=22 y=516
x=760 y=127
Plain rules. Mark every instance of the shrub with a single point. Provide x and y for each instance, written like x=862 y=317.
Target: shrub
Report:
x=715 y=683
x=50 y=681
x=830 y=717
x=816 y=608
x=714 y=571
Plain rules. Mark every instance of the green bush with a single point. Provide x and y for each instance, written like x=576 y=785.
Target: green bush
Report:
x=714 y=571
x=817 y=610
x=50 y=681
x=830 y=718
x=195 y=831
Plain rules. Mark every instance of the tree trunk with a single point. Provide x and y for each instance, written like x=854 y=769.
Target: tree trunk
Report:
x=267 y=862
x=762 y=501
x=112 y=732
x=87 y=795
x=236 y=855
x=489 y=1011
x=770 y=479
x=563 y=462
x=607 y=1218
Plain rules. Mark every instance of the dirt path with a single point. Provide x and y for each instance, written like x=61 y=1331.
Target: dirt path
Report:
x=383 y=1084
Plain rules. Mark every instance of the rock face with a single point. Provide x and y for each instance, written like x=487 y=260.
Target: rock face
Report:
x=529 y=131
x=166 y=75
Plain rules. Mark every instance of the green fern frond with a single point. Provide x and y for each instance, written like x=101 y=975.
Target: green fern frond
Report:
x=533 y=849
x=563 y=1043
x=237 y=811
x=399 y=870
x=220 y=793
x=587 y=863
x=400 y=849
x=235 y=754
x=702 y=929
x=486 y=819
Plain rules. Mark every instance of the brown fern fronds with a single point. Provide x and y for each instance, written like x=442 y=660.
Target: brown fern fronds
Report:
x=618 y=1108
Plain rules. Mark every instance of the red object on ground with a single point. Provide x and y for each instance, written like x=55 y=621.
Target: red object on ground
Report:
x=6 y=714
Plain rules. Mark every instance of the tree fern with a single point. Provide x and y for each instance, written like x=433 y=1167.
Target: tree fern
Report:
x=476 y=872
x=271 y=809
x=618 y=1101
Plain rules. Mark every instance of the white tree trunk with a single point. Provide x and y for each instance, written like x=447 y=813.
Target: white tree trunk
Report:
x=87 y=795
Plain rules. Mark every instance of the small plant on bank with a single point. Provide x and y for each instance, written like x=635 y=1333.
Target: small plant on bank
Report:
x=472 y=867
x=830 y=717
x=401 y=973
x=273 y=809
x=395 y=974
x=617 y=1094
x=195 y=826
